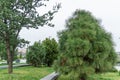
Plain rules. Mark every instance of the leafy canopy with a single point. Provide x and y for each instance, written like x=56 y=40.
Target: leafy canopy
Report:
x=50 y=47
x=43 y=53
x=18 y=14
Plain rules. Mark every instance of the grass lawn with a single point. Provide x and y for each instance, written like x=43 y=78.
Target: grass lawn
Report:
x=25 y=73
x=105 y=76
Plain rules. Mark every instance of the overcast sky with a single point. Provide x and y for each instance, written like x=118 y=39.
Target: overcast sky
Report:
x=106 y=10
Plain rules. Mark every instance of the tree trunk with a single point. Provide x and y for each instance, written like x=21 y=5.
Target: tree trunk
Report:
x=9 y=54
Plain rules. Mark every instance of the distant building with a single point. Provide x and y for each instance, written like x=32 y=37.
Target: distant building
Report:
x=21 y=52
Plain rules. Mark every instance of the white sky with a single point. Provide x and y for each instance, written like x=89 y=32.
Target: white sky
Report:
x=106 y=10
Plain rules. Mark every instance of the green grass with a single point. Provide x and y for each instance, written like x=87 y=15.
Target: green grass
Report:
x=104 y=76
x=25 y=73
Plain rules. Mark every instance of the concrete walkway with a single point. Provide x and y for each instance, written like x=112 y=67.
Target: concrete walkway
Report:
x=18 y=65
x=52 y=76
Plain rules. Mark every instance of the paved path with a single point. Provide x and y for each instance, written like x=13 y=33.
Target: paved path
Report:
x=51 y=76
x=18 y=65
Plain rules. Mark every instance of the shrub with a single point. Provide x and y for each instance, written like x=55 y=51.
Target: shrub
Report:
x=34 y=55
x=119 y=73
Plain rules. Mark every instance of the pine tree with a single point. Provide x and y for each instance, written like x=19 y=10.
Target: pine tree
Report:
x=85 y=47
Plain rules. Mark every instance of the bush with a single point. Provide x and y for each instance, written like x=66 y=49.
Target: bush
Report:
x=50 y=52
x=43 y=53
x=113 y=70
x=119 y=73
x=34 y=55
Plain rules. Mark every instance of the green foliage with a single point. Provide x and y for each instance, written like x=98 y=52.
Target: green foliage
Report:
x=18 y=14
x=113 y=70
x=50 y=53
x=119 y=73
x=85 y=47
x=35 y=54
x=118 y=58
x=3 y=54
x=43 y=53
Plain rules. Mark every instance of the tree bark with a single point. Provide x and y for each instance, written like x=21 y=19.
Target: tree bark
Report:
x=9 y=54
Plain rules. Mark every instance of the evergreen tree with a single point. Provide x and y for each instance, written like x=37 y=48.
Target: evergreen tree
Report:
x=85 y=47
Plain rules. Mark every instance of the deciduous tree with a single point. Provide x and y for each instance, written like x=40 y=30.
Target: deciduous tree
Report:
x=43 y=53
x=35 y=54
x=50 y=52
x=3 y=54
x=18 y=14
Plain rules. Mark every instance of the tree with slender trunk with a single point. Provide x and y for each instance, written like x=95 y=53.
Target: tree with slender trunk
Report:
x=3 y=54
x=18 y=14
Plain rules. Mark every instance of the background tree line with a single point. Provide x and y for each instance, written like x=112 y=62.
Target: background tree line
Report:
x=42 y=53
